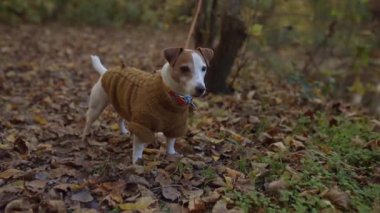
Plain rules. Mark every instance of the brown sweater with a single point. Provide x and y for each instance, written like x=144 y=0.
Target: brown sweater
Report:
x=143 y=100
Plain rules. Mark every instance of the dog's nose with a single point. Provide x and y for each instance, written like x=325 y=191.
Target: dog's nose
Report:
x=200 y=90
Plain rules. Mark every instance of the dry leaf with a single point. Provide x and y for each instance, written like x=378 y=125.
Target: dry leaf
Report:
x=234 y=174
x=83 y=196
x=278 y=147
x=276 y=186
x=10 y=173
x=170 y=193
x=220 y=206
x=338 y=198
x=211 y=198
x=196 y=205
x=57 y=206
x=18 y=206
x=36 y=185
x=142 y=204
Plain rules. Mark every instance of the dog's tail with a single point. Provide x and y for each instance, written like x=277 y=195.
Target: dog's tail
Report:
x=98 y=66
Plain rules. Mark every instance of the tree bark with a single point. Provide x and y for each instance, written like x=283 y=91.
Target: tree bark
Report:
x=233 y=34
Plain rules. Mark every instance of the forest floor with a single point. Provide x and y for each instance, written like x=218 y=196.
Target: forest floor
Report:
x=262 y=149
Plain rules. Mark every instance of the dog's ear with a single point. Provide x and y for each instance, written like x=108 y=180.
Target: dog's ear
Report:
x=207 y=54
x=171 y=54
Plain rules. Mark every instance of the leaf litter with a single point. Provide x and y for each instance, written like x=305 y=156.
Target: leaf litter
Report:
x=242 y=152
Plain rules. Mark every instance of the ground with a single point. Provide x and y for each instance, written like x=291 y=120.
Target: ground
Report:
x=262 y=149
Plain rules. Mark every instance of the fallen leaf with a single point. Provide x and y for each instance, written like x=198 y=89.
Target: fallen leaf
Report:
x=338 y=198
x=137 y=180
x=37 y=186
x=278 y=147
x=220 y=206
x=18 y=206
x=10 y=173
x=170 y=193
x=196 y=205
x=83 y=196
x=203 y=138
x=142 y=204
x=93 y=142
x=234 y=174
x=211 y=198
x=20 y=145
x=276 y=186
x=40 y=119
x=57 y=206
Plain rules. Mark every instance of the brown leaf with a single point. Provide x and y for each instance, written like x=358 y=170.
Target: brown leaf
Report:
x=276 y=186
x=20 y=145
x=338 y=198
x=220 y=206
x=10 y=173
x=170 y=193
x=211 y=198
x=163 y=178
x=83 y=196
x=37 y=186
x=18 y=206
x=57 y=206
x=278 y=147
x=137 y=180
x=234 y=174
x=196 y=205
x=93 y=142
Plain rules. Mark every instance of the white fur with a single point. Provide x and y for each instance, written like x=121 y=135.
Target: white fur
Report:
x=169 y=81
x=189 y=87
x=170 y=146
x=138 y=149
x=199 y=75
x=123 y=129
x=98 y=66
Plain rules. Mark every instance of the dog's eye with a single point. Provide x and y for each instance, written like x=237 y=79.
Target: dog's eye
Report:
x=185 y=69
x=204 y=68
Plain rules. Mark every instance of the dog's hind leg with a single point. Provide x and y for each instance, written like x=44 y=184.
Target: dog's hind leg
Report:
x=98 y=101
x=138 y=149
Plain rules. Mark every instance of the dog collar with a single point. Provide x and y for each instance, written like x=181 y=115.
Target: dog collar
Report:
x=182 y=100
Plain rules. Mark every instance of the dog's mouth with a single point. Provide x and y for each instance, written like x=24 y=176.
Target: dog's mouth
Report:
x=198 y=94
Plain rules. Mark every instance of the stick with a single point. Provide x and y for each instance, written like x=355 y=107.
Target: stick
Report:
x=193 y=23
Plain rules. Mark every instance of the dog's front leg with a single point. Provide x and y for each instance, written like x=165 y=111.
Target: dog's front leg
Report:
x=138 y=148
x=170 y=150
x=123 y=129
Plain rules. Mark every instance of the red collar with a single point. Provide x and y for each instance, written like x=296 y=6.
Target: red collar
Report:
x=181 y=99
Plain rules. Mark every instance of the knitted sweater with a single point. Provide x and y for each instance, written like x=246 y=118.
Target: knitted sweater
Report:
x=143 y=100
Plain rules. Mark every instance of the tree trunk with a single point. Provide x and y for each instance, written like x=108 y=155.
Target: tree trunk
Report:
x=233 y=34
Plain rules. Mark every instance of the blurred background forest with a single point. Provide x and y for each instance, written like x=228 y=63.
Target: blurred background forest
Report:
x=327 y=48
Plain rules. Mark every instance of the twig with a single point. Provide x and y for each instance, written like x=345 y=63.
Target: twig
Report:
x=193 y=23
x=312 y=54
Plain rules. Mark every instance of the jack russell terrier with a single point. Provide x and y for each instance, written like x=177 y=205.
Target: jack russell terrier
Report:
x=149 y=102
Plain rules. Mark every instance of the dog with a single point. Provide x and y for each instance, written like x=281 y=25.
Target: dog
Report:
x=151 y=103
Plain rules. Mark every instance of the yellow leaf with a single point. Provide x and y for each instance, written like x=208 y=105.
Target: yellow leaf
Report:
x=256 y=30
x=215 y=157
x=39 y=119
x=115 y=126
x=141 y=204
x=11 y=138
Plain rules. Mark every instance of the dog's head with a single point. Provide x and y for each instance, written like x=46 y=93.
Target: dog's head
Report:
x=188 y=69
